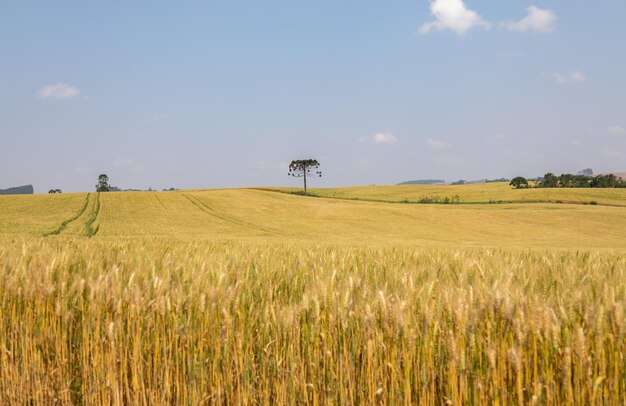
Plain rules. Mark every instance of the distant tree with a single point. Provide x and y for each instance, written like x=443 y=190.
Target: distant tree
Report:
x=458 y=182
x=550 y=180
x=581 y=181
x=606 y=181
x=497 y=180
x=566 y=180
x=52 y=191
x=303 y=168
x=519 y=182
x=103 y=183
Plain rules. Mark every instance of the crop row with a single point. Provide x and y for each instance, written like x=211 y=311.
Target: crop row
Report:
x=144 y=321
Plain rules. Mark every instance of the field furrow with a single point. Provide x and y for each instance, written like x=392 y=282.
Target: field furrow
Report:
x=90 y=230
x=65 y=223
x=199 y=203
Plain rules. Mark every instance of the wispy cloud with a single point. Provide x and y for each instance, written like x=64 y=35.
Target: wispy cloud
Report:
x=83 y=169
x=616 y=130
x=127 y=165
x=610 y=153
x=570 y=78
x=453 y=15
x=437 y=144
x=58 y=91
x=537 y=20
x=496 y=137
x=381 y=138
x=155 y=118
x=363 y=162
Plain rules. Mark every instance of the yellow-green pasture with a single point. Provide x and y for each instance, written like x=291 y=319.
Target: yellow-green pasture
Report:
x=36 y=214
x=475 y=193
x=242 y=214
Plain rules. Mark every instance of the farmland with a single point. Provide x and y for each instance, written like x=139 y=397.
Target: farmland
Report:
x=496 y=192
x=251 y=296
x=249 y=215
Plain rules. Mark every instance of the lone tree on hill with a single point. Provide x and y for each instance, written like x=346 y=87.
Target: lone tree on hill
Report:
x=303 y=168
x=519 y=182
x=103 y=183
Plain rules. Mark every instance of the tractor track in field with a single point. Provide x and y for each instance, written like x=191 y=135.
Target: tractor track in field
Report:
x=67 y=222
x=214 y=213
x=405 y=215
x=89 y=230
x=159 y=200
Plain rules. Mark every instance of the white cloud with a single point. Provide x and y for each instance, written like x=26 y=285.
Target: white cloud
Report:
x=437 y=144
x=616 y=130
x=381 y=138
x=58 y=91
x=384 y=138
x=537 y=20
x=452 y=15
x=570 y=78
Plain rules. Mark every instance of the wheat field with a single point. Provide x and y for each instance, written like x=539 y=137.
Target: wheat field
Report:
x=243 y=296
x=495 y=192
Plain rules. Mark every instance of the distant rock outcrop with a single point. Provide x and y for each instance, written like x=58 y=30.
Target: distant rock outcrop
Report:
x=20 y=190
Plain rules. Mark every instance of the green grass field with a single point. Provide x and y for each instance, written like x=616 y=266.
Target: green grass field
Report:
x=241 y=296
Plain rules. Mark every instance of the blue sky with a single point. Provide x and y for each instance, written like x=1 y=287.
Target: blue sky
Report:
x=196 y=94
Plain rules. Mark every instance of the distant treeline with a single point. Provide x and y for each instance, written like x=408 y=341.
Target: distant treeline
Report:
x=20 y=190
x=423 y=182
x=567 y=180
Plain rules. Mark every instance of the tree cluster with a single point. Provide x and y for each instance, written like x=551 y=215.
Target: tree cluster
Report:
x=53 y=191
x=567 y=180
x=519 y=182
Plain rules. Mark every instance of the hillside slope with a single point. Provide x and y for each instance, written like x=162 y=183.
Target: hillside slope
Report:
x=242 y=214
x=18 y=190
x=474 y=193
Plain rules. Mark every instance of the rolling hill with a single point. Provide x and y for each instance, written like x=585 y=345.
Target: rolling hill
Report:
x=474 y=193
x=18 y=190
x=245 y=214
